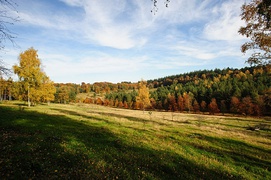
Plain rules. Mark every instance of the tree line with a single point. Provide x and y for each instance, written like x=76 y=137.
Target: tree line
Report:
x=244 y=91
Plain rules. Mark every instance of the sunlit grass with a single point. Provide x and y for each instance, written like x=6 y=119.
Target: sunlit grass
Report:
x=88 y=141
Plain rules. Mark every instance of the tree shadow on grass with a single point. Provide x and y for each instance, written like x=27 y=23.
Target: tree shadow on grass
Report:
x=129 y=118
x=251 y=157
x=40 y=146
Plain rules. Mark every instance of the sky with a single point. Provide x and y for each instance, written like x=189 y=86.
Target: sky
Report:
x=122 y=40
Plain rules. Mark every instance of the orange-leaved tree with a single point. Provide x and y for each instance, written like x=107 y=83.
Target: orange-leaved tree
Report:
x=213 y=107
x=257 y=16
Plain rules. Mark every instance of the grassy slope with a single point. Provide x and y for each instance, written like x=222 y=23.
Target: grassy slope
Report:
x=88 y=141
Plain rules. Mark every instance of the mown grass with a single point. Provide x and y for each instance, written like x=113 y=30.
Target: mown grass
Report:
x=95 y=142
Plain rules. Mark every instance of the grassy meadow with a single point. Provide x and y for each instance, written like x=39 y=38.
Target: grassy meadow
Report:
x=82 y=141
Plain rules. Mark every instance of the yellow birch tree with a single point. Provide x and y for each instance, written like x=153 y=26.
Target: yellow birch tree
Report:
x=143 y=95
x=48 y=90
x=31 y=77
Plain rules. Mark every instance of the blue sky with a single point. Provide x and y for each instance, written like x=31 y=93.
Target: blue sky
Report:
x=121 y=40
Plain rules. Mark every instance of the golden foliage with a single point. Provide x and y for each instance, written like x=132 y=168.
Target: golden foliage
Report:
x=35 y=85
x=143 y=97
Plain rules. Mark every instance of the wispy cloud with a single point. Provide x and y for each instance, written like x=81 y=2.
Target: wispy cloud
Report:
x=224 y=22
x=77 y=38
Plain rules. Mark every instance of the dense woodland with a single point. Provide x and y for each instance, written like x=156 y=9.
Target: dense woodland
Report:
x=244 y=91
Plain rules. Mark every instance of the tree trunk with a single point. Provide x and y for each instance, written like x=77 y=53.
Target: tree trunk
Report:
x=28 y=98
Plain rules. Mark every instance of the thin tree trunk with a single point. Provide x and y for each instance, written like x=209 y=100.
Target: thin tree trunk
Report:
x=28 y=99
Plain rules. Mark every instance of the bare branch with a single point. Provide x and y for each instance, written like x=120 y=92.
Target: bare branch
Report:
x=3 y=69
x=155 y=6
x=7 y=7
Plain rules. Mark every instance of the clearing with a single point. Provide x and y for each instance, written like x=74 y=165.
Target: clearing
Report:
x=80 y=141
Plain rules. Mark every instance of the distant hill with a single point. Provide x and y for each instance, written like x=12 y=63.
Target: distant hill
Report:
x=244 y=91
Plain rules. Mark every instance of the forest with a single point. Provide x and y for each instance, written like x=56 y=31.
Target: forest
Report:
x=245 y=91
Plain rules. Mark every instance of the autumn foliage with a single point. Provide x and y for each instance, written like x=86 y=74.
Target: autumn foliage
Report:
x=244 y=91
x=257 y=16
x=238 y=91
x=34 y=86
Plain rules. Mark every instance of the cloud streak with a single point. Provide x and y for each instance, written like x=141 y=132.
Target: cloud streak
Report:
x=95 y=38
x=225 y=22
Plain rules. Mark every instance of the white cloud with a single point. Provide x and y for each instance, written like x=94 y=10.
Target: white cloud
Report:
x=73 y=39
x=125 y=24
x=109 y=24
x=58 y=64
x=58 y=21
x=111 y=36
x=194 y=52
x=225 y=22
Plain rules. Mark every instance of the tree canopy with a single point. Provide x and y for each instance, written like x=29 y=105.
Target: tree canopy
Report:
x=35 y=85
x=143 y=95
x=241 y=91
x=257 y=16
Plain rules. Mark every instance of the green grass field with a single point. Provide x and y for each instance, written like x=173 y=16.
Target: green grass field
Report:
x=95 y=142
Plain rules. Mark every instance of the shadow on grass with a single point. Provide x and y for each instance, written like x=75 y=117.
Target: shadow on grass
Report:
x=39 y=146
x=250 y=157
x=134 y=119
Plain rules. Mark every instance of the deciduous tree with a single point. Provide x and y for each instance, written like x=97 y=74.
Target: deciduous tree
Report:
x=247 y=106
x=203 y=105
x=235 y=105
x=257 y=16
x=213 y=108
x=48 y=90
x=180 y=103
x=143 y=95
x=259 y=107
x=187 y=97
x=172 y=103
x=196 y=106
x=35 y=84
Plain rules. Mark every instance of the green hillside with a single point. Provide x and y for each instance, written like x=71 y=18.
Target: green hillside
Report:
x=96 y=142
